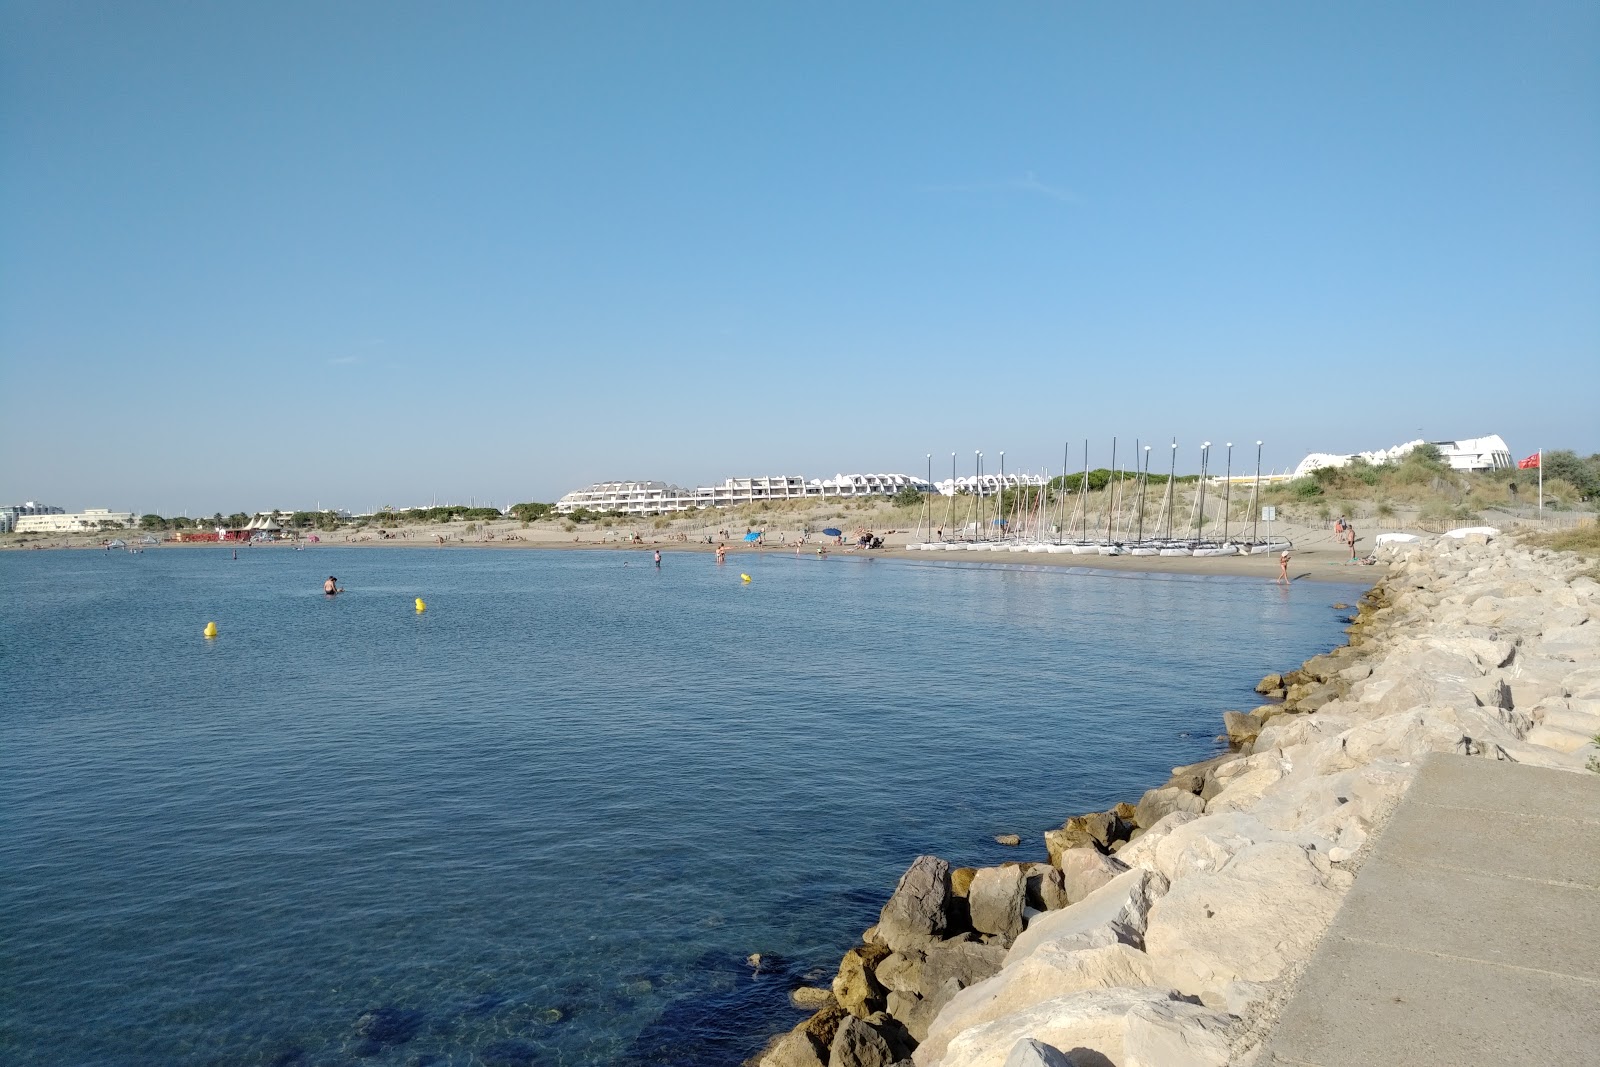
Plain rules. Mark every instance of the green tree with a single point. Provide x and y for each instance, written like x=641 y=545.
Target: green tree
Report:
x=907 y=497
x=1582 y=474
x=532 y=511
x=152 y=522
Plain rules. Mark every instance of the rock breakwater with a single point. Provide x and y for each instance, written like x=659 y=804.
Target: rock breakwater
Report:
x=1164 y=933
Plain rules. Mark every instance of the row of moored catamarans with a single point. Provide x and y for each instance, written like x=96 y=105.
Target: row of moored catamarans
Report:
x=1134 y=548
x=1116 y=520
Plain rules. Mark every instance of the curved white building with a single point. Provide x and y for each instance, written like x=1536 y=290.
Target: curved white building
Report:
x=1471 y=454
x=652 y=497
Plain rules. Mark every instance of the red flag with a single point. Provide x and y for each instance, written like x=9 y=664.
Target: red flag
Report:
x=1530 y=463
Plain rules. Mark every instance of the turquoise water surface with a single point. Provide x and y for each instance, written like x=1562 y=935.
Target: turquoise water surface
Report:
x=546 y=821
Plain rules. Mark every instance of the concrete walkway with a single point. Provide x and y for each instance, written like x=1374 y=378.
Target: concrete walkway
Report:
x=1472 y=934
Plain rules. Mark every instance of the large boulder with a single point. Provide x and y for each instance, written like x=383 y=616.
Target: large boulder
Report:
x=1251 y=920
x=1127 y=1027
x=1114 y=913
x=797 y=1048
x=925 y=971
x=918 y=911
x=1047 y=887
x=996 y=899
x=856 y=986
x=1158 y=802
x=1083 y=870
x=860 y=1043
x=1051 y=972
x=1098 y=829
x=1031 y=1053
x=1242 y=727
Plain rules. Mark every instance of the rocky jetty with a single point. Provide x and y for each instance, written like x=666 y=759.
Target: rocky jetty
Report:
x=1164 y=933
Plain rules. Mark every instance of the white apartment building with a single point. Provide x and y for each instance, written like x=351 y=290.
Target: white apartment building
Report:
x=1489 y=453
x=10 y=513
x=651 y=497
x=87 y=521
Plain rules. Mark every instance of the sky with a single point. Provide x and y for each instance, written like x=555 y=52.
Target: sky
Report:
x=290 y=254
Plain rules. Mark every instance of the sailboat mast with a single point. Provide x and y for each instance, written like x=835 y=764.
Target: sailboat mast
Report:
x=1111 y=493
x=1227 y=493
x=1172 y=480
x=1144 y=481
x=1255 y=500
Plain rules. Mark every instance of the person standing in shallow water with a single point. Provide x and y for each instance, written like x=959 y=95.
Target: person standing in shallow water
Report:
x=658 y=559
x=1283 y=566
x=331 y=586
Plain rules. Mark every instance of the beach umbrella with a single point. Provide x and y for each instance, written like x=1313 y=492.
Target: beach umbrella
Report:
x=752 y=536
x=832 y=532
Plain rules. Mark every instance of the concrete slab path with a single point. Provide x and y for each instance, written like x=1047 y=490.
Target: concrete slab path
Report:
x=1471 y=935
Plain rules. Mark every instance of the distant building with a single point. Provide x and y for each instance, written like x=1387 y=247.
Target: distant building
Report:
x=1472 y=454
x=1477 y=454
x=650 y=497
x=72 y=522
x=10 y=513
x=985 y=483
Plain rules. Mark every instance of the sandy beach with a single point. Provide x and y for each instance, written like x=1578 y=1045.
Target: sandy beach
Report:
x=1316 y=555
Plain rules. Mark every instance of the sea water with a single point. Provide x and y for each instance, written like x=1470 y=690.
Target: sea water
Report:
x=547 y=820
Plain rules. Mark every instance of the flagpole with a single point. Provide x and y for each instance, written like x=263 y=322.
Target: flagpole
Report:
x=1541 y=485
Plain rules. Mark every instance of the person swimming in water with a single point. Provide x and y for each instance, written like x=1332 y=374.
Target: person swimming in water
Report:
x=331 y=586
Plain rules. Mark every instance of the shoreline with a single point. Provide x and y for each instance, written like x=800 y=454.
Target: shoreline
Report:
x=1174 y=929
x=1310 y=564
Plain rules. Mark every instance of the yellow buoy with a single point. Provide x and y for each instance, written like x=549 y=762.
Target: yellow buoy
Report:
x=746 y=577
x=421 y=606
x=211 y=629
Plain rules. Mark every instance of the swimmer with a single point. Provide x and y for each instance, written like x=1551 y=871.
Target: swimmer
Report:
x=331 y=586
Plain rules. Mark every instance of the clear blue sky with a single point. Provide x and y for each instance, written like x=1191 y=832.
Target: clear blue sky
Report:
x=258 y=255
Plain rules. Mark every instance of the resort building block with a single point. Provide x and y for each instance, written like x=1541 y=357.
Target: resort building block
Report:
x=59 y=521
x=651 y=497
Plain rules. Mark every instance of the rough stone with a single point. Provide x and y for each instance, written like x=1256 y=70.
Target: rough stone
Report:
x=1241 y=727
x=1047 y=887
x=996 y=899
x=1083 y=870
x=1102 y=1021
x=917 y=912
x=1052 y=971
x=1270 y=683
x=1111 y=914
x=856 y=986
x=1031 y=1053
x=797 y=1048
x=809 y=998
x=1007 y=839
x=1263 y=911
x=861 y=1044
x=1158 y=802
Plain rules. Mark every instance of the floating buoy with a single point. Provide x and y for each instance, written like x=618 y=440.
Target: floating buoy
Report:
x=421 y=606
x=745 y=577
x=211 y=630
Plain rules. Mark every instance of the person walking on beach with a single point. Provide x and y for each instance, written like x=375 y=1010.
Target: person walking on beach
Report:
x=1283 y=566
x=1350 y=539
